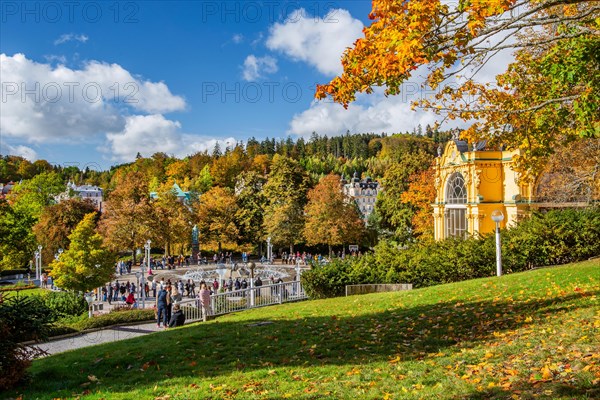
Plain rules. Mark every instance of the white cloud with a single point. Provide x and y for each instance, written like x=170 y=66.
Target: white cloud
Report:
x=370 y=113
x=69 y=37
x=23 y=151
x=257 y=67
x=237 y=38
x=320 y=42
x=42 y=103
x=148 y=134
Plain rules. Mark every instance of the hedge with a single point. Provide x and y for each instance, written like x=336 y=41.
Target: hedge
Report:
x=552 y=238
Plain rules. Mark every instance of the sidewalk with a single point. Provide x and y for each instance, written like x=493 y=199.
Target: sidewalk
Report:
x=106 y=335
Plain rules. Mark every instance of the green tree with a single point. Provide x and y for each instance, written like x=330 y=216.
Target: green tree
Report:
x=285 y=191
x=18 y=242
x=332 y=218
x=31 y=196
x=251 y=202
x=87 y=263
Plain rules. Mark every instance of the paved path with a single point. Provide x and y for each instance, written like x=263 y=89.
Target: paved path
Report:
x=101 y=336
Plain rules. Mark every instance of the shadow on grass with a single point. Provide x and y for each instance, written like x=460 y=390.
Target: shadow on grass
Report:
x=223 y=347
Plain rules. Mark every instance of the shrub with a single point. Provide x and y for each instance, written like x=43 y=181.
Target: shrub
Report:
x=21 y=319
x=64 y=304
x=114 y=318
x=551 y=238
x=327 y=280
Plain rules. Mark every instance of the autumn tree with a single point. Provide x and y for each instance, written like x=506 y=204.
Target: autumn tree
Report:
x=87 y=263
x=171 y=223
x=58 y=221
x=251 y=204
x=548 y=96
x=226 y=168
x=419 y=195
x=285 y=191
x=216 y=214
x=572 y=174
x=126 y=222
x=332 y=218
x=396 y=216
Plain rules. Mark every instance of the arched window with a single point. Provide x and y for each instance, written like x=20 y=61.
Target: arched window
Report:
x=456 y=206
x=456 y=193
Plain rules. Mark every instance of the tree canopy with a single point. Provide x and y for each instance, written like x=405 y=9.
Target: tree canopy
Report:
x=332 y=218
x=548 y=96
x=86 y=264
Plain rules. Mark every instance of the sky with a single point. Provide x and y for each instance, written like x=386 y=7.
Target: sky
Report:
x=93 y=83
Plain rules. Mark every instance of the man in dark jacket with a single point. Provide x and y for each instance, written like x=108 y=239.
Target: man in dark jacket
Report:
x=177 y=319
x=162 y=301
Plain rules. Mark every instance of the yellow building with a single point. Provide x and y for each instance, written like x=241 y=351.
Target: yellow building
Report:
x=471 y=184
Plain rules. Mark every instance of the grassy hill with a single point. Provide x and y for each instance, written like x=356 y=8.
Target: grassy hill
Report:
x=521 y=336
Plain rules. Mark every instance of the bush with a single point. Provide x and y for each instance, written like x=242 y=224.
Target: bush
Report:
x=65 y=304
x=21 y=319
x=327 y=280
x=551 y=238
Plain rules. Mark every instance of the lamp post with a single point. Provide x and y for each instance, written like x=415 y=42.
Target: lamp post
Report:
x=89 y=297
x=38 y=271
x=137 y=275
x=498 y=217
x=143 y=271
x=297 y=284
x=58 y=254
x=36 y=255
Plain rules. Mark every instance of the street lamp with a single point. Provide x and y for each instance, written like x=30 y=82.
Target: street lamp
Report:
x=498 y=217
x=143 y=271
x=36 y=256
x=38 y=271
x=89 y=297
x=58 y=254
x=297 y=284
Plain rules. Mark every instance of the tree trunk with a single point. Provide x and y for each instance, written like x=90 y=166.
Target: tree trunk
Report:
x=291 y=248
x=329 y=250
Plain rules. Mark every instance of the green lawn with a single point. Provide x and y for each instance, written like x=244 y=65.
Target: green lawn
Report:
x=24 y=292
x=521 y=336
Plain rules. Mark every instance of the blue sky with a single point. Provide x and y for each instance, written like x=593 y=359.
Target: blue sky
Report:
x=93 y=83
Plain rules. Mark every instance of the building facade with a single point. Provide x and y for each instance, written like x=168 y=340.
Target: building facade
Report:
x=93 y=193
x=470 y=184
x=364 y=192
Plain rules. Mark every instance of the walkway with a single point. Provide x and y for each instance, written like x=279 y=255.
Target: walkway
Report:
x=112 y=334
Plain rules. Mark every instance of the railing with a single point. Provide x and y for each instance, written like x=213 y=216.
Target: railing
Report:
x=376 y=288
x=244 y=299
